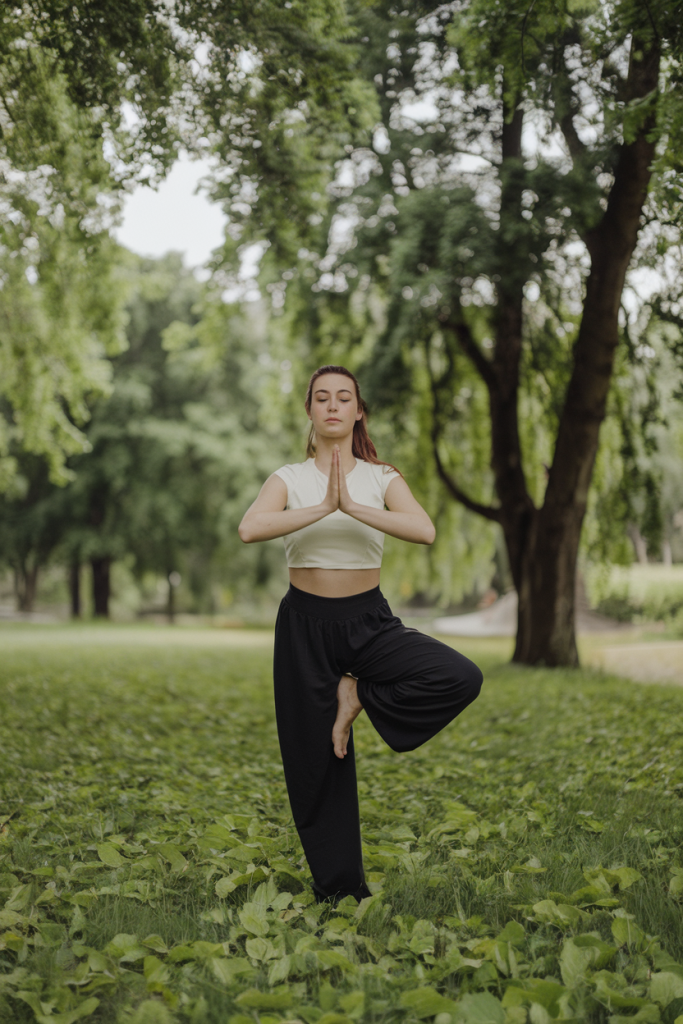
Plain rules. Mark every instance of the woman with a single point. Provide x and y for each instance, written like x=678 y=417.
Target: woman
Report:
x=338 y=648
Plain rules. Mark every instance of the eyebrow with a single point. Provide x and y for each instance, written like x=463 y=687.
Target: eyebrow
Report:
x=325 y=391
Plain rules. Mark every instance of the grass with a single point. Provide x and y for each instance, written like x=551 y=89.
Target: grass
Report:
x=526 y=863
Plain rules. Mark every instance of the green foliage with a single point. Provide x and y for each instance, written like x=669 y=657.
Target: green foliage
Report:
x=426 y=234
x=178 y=450
x=639 y=593
x=61 y=296
x=525 y=865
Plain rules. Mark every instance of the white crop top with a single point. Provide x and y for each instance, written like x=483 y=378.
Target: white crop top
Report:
x=338 y=541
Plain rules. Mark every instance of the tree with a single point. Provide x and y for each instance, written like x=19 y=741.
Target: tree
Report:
x=497 y=225
x=92 y=97
x=176 y=452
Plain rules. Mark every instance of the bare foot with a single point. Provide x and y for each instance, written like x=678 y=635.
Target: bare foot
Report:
x=348 y=710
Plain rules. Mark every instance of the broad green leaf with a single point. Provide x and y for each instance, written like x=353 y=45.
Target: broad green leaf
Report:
x=260 y=949
x=513 y=932
x=252 y=999
x=328 y=958
x=223 y=887
x=110 y=856
x=482 y=1008
x=279 y=970
x=84 y=1009
x=253 y=917
x=171 y=853
x=19 y=898
x=676 y=883
x=626 y=876
x=227 y=970
x=561 y=915
x=665 y=987
x=426 y=1002
x=627 y=933
x=126 y=948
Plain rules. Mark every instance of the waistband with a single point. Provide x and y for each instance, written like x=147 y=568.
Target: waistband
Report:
x=333 y=607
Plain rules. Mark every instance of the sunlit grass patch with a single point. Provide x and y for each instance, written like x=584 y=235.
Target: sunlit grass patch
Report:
x=526 y=863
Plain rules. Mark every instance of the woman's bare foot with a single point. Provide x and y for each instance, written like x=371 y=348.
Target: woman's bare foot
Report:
x=348 y=710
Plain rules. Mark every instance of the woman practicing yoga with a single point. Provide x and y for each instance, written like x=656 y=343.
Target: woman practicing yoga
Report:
x=339 y=650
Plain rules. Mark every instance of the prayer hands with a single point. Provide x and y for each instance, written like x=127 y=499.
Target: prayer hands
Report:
x=337 y=495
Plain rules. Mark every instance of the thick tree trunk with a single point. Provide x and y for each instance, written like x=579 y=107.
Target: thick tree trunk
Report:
x=26 y=586
x=75 y=589
x=546 y=628
x=100 y=586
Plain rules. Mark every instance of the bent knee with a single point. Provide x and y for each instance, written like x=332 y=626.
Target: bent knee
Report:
x=476 y=679
x=469 y=679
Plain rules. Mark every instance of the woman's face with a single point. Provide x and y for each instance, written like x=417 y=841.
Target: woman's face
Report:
x=334 y=406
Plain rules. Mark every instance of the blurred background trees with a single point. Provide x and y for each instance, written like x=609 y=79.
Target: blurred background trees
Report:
x=434 y=193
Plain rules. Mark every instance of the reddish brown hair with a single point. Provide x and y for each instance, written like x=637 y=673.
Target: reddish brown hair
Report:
x=362 y=447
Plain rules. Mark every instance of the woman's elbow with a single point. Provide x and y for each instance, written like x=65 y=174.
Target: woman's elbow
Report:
x=429 y=533
x=245 y=534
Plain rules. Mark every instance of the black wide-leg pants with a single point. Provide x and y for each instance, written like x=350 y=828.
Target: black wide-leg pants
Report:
x=409 y=684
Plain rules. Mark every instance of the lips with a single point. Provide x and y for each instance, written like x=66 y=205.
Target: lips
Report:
x=332 y=421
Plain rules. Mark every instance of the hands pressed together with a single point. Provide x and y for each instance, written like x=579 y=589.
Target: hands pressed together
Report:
x=337 y=496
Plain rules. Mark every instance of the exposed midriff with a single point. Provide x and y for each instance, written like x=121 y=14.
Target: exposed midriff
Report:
x=334 y=582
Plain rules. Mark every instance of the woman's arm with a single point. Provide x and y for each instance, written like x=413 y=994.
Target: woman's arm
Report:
x=268 y=518
x=405 y=518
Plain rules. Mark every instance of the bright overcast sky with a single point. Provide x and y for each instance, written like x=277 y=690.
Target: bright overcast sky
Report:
x=173 y=217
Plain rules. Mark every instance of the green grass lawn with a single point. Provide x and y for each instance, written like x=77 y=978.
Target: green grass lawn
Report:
x=526 y=864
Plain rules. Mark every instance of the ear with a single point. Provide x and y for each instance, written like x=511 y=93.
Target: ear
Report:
x=308 y=414
x=359 y=415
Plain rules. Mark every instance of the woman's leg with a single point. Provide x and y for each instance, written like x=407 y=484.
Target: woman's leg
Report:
x=322 y=788
x=412 y=685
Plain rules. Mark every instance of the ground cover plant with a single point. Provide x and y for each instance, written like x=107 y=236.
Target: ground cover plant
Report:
x=526 y=865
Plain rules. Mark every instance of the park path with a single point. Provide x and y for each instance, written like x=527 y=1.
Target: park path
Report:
x=651 y=662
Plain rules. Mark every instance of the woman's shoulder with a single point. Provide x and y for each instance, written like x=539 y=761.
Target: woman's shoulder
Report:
x=379 y=469
x=292 y=471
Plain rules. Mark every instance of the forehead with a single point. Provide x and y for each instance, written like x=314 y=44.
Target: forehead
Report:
x=334 y=382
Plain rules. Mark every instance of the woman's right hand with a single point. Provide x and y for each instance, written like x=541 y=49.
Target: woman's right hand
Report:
x=331 y=500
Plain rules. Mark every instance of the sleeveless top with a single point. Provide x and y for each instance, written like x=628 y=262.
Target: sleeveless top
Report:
x=338 y=541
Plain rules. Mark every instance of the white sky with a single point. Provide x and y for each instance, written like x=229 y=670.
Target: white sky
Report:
x=173 y=217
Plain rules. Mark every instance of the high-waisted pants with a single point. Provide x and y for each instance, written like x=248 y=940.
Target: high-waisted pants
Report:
x=409 y=684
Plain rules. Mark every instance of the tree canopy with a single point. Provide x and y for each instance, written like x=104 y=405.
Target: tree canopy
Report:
x=525 y=163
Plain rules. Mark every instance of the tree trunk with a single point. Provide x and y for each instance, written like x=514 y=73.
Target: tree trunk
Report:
x=639 y=544
x=25 y=586
x=100 y=586
x=75 y=589
x=546 y=627
x=170 y=601
x=543 y=543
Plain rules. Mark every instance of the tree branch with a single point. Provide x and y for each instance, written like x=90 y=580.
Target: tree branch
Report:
x=563 y=95
x=487 y=511
x=472 y=350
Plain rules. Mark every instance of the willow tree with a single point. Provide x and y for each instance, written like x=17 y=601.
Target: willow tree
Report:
x=523 y=164
x=93 y=97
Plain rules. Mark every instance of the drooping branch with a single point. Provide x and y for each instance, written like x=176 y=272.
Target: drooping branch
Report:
x=487 y=511
x=471 y=349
